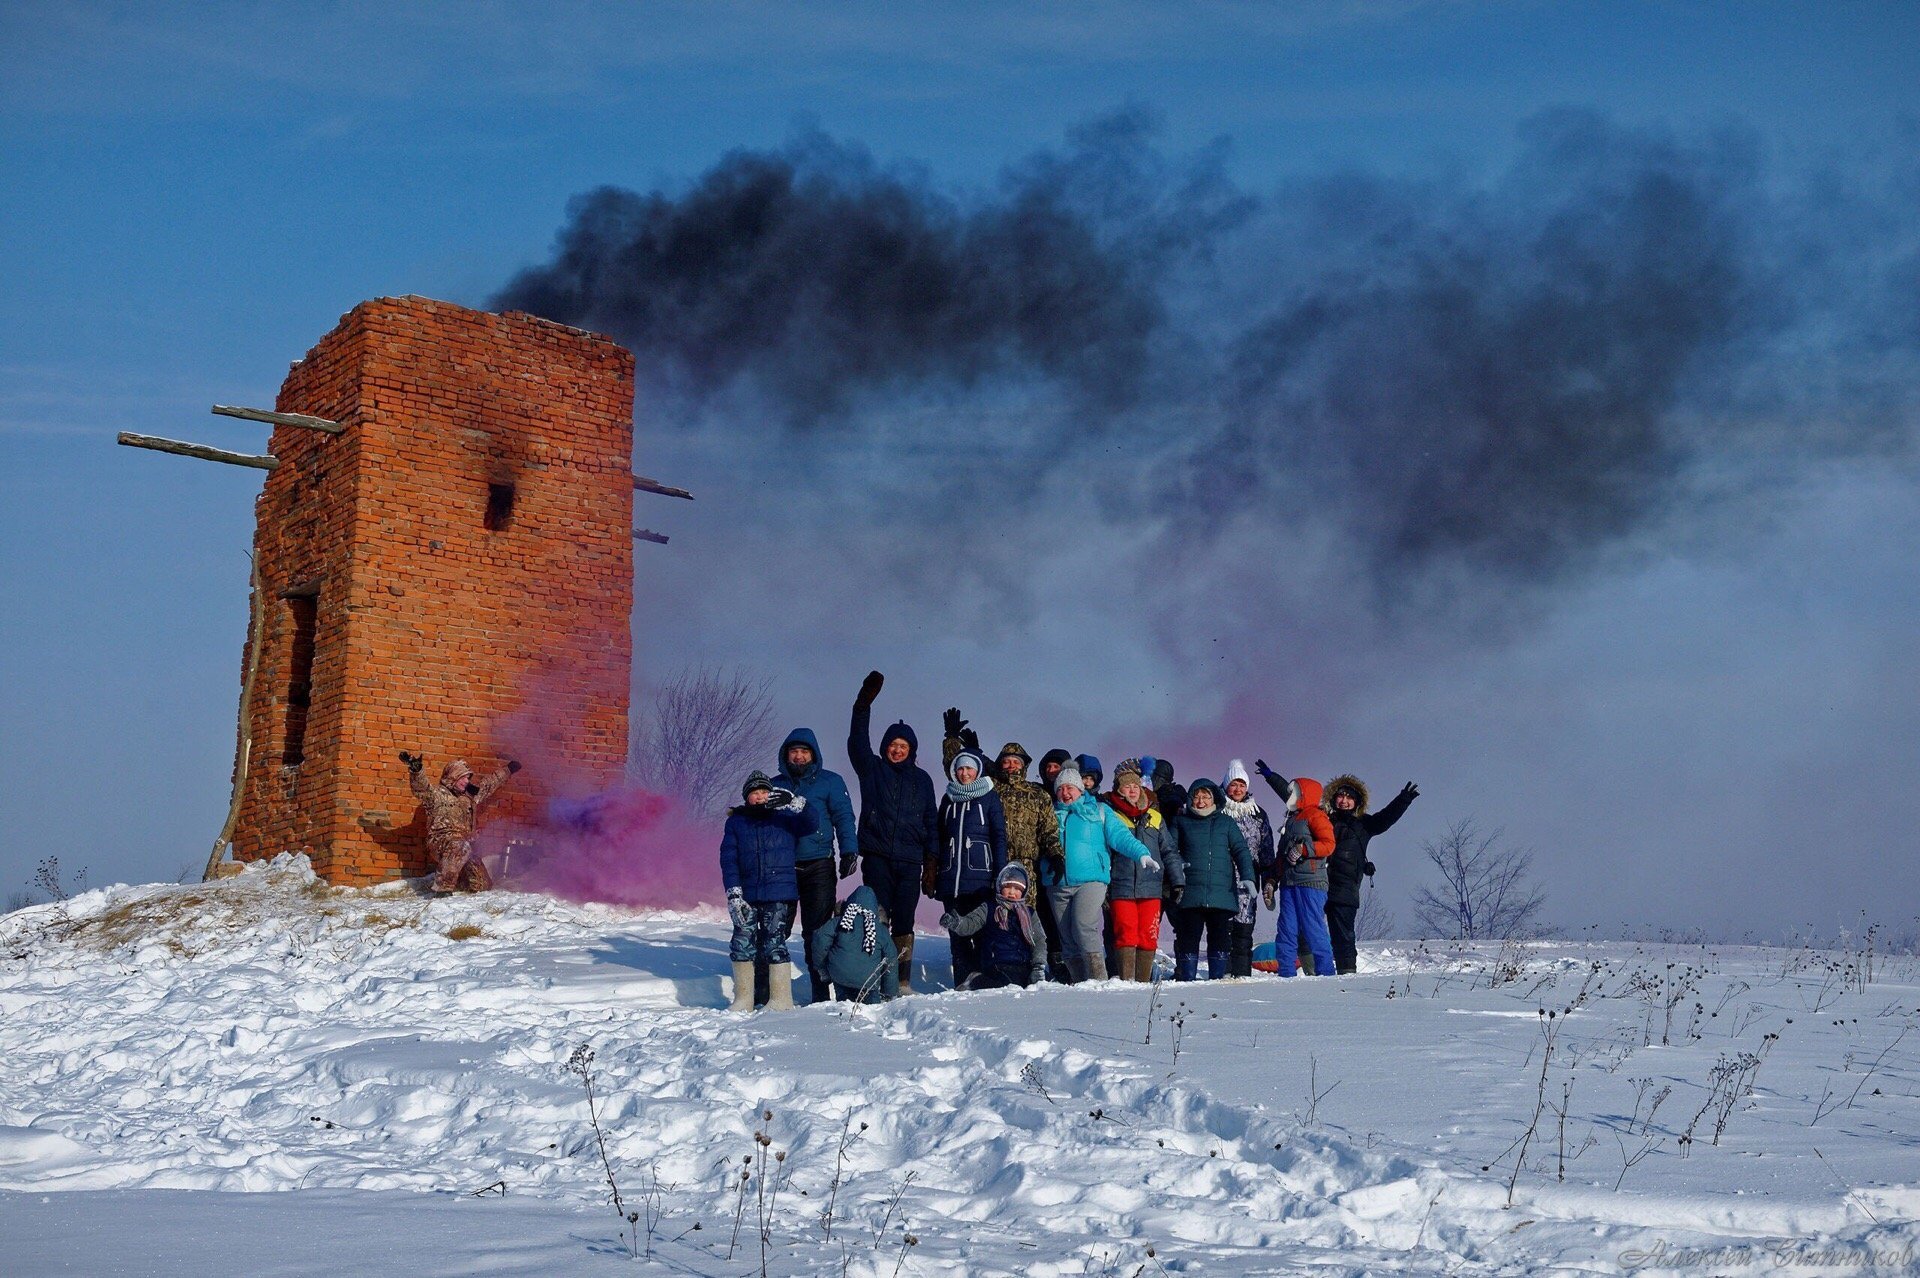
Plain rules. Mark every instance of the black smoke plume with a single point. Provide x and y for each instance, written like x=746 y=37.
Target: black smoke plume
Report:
x=1478 y=383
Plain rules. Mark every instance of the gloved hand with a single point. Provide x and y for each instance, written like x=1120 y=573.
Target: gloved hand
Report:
x=513 y=766
x=1295 y=855
x=948 y=919
x=1178 y=892
x=413 y=761
x=847 y=863
x=1148 y=865
x=870 y=688
x=971 y=740
x=1267 y=894
x=1409 y=792
x=1367 y=869
x=785 y=800
x=954 y=724
x=1260 y=766
x=929 y=878
x=473 y=787
x=743 y=914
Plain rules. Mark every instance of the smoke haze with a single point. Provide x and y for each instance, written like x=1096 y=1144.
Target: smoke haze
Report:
x=1120 y=449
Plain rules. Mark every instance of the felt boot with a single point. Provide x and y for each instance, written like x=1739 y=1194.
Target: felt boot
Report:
x=905 y=943
x=1144 y=972
x=742 y=987
x=1123 y=963
x=780 y=988
x=1096 y=965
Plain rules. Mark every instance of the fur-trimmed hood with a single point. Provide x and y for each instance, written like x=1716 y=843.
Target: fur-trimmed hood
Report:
x=1348 y=781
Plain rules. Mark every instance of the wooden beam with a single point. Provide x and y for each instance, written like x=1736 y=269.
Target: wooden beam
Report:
x=642 y=484
x=644 y=534
x=204 y=453
x=279 y=419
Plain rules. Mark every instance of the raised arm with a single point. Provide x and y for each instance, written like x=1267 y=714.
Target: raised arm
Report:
x=860 y=730
x=1280 y=785
x=495 y=779
x=1382 y=821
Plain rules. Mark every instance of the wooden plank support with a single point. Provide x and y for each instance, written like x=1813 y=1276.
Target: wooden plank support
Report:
x=645 y=534
x=644 y=485
x=279 y=419
x=260 y=462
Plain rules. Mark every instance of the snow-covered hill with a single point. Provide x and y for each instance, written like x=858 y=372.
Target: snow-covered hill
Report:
x=271 y=1034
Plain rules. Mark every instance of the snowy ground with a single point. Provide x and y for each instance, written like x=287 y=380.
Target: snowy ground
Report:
x=170 y=1055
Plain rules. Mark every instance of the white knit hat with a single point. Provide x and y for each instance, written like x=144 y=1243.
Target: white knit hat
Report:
x=1069 y=775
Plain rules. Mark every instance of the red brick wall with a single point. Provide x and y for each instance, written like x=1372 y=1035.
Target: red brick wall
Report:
x=433 y=633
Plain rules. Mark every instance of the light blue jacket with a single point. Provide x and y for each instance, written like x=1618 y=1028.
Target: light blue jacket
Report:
x=1090 y=832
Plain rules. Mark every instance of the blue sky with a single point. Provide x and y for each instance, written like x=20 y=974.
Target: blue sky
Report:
x=192 y=197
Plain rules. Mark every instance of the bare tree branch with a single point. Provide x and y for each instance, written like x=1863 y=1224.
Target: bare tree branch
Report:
x=1484 y=893
x=1374 y=922
x=705 y=730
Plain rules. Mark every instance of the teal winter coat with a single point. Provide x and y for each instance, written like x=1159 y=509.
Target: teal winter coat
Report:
x=1208 y=852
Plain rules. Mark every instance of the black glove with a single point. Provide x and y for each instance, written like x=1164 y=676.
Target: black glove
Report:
x=1409 y=792
x=870 y=688
x=1260 y=766
x=971 y=740
x=954 y=723
x=847 y=863
x=413 y=761
x=513 y=766
x=472 y=788
x=1367 y=869
x=1176 y=894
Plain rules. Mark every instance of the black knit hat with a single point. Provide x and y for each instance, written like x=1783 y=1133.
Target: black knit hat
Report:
x=756 y=780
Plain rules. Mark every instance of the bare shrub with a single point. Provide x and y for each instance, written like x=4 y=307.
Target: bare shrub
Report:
x=1484 y=893
x=1375 y=921
x=704 y=731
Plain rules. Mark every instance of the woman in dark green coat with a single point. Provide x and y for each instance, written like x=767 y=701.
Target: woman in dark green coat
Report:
x=1208 y=850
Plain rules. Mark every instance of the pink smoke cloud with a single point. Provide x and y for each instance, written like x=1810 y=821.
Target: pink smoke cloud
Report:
x=625 y=847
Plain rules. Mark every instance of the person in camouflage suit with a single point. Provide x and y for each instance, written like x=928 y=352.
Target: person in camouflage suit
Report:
x=1032 y=832
x=453 y=809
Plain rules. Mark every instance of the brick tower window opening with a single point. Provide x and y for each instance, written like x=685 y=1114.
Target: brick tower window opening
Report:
x=499 y=507
x=303 y=612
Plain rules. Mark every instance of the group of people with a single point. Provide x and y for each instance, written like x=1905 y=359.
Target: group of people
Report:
x=1048 y=880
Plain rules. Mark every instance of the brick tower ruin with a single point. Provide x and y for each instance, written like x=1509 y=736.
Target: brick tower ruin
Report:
x=451 y=572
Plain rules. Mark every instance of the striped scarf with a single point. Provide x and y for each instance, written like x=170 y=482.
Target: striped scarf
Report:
x=869 y=923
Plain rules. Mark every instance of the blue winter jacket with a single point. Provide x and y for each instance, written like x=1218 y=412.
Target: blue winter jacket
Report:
x=1089 y=832
x=757 y=847
x=898 y=817
x=822 y=789
x=973 y=845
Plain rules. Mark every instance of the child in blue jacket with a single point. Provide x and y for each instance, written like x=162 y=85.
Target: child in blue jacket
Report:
x=757 y=865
